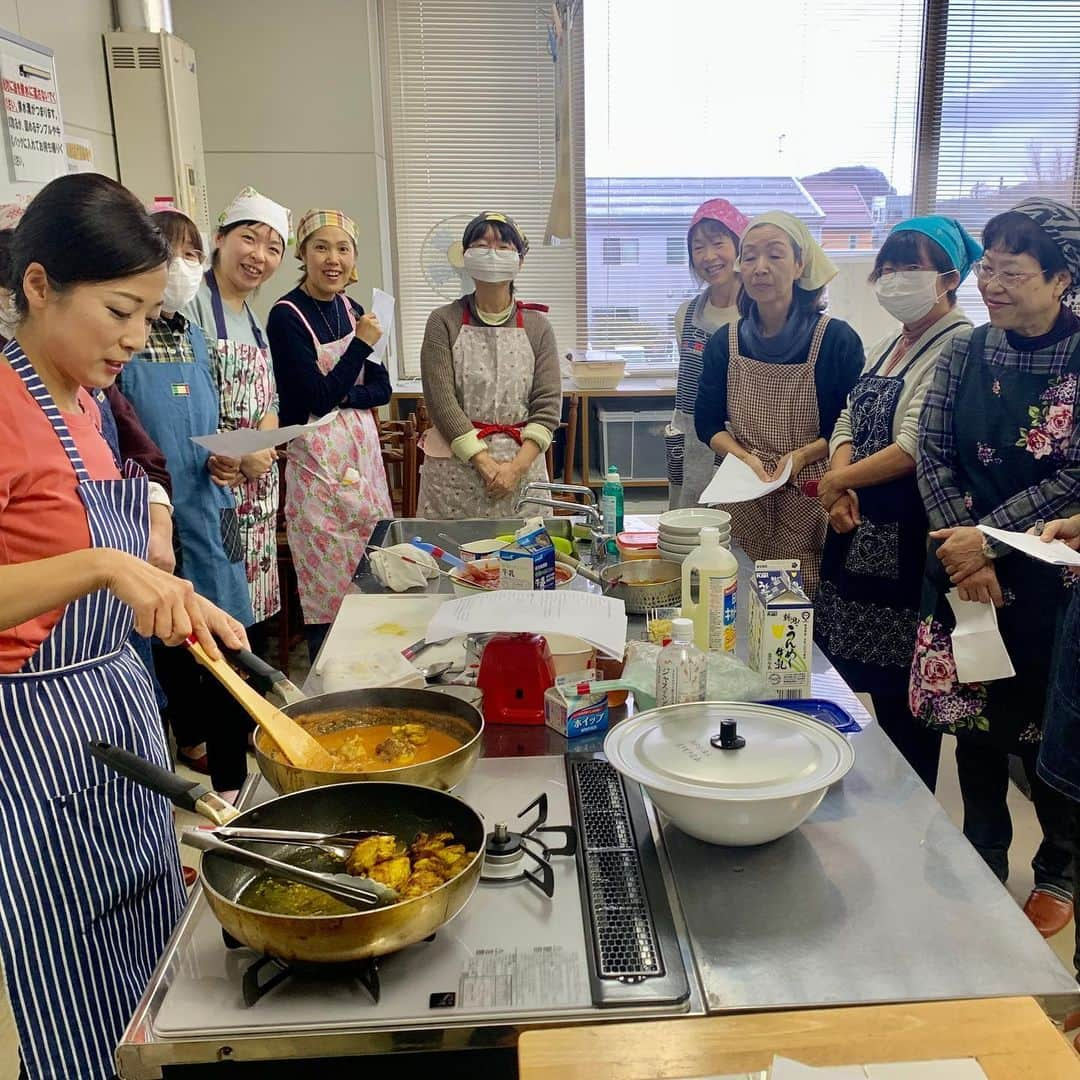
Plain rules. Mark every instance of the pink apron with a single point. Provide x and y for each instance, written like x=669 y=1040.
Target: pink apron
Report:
x=335 y=492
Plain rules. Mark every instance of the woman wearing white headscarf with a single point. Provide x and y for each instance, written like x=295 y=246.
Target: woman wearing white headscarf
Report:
x=774 y=384
x=248 y=248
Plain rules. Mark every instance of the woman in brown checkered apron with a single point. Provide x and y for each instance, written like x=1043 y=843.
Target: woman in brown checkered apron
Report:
x=773 y=386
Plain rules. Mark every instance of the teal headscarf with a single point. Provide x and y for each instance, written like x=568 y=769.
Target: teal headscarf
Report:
x=960 y=246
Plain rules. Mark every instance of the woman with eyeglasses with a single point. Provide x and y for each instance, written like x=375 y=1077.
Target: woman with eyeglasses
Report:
x=867 y=606
x=998 y=446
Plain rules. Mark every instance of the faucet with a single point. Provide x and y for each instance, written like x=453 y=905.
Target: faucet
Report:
x=589 y=511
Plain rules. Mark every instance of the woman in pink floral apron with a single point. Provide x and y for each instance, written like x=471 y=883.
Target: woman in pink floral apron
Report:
x=490 y=369
x=335 y=483
x=773 y=385
x=252 y=233
x=998 y=445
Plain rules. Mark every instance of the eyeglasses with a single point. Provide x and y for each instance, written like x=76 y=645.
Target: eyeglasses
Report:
x=1008 y=279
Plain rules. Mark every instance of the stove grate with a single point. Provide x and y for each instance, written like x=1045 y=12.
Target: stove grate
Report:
x=624 y=936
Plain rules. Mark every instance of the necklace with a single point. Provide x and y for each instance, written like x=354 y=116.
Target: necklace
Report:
x=337 y=331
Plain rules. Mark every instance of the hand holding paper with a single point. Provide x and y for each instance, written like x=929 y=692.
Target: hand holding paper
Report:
x=736 y=482
x=1054 y=552
x=978 y=648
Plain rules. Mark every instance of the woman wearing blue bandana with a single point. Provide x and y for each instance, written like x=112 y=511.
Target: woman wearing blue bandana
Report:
x=867 y=607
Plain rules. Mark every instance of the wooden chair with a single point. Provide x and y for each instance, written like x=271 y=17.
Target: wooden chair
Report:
x=401 y=460
x=290 y=619
x=570 y=428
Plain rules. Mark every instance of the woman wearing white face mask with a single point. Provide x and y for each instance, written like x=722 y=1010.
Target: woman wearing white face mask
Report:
x=490 y=370
x=172 y=388
x=867 y=606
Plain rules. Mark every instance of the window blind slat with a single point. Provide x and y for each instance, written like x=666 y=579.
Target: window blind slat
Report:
x=470 y=97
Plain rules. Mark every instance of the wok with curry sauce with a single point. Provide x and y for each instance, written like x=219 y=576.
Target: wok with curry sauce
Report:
x=383 y=733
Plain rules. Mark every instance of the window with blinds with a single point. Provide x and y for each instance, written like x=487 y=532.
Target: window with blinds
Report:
x=807 y=106
x=1004 y=84
x=470 y=99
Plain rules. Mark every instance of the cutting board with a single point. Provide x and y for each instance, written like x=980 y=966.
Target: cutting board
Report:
x=368 y=625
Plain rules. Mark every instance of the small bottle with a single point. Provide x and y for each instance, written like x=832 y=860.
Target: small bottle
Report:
x=681 y=667
x=611 y=507
x=710 y=589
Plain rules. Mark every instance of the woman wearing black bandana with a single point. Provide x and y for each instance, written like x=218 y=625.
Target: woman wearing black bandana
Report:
x=999 y=445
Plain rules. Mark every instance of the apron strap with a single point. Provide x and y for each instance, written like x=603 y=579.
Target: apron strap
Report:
x=36 y=388
x=219 y=312
x=485 y=430
x=300 y=316
x=915 y=356
x=816 y=340
x=733 y=340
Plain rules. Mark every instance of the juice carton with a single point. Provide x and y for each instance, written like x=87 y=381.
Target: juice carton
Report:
x=529 y=562
x=781 y=628
x=572 y=713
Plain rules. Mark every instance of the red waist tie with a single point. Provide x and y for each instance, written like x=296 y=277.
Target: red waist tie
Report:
x=485 y=431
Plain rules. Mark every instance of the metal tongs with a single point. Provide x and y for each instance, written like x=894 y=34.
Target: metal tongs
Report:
x=358 y=892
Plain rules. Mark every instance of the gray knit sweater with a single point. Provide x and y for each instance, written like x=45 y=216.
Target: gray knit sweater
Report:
x=437 y=370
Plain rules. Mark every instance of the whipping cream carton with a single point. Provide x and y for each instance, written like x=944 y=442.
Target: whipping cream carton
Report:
x=529 y=562
x=569 y=711
x=781 y=628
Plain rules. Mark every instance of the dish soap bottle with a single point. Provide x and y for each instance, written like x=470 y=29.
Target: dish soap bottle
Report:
x=681 y=667
x=611 y=507
x=710 y=589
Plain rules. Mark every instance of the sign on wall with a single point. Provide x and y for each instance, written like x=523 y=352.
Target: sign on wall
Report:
x=34 y=126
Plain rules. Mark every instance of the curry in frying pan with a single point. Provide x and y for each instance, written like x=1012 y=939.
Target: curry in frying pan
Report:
x=421 y=867
x=376 y=738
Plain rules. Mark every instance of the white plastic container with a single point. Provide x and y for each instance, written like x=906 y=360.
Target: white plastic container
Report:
x=681 y=668
x=710 y=591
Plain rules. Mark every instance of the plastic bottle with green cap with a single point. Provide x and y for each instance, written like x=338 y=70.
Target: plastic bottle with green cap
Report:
x=611 y=507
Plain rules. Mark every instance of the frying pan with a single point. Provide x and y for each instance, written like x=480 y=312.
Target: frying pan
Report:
x=401 y=809
x=450 y=714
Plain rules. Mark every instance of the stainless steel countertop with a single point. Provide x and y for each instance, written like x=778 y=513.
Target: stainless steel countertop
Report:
x=877 y=898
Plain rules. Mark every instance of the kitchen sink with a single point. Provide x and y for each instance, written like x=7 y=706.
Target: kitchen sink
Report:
x=463 y=531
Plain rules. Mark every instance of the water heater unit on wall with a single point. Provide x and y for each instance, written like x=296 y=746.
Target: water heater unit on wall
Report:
x=154 y=91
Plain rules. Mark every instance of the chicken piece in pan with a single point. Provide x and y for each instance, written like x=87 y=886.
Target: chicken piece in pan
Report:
x=367 y=853
x=396 y=751
x=393 y=872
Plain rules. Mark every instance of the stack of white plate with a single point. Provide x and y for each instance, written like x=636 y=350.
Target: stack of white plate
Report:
x=680 y=530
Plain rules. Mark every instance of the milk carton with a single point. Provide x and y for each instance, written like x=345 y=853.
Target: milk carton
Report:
x=529 y=562
x=781 y=627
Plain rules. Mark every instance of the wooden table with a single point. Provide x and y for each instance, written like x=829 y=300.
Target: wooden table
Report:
x=408 y=392
x=1011 y=1038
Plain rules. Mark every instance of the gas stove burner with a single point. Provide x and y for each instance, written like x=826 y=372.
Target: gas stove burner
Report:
x=267 y=972
x=505 y=849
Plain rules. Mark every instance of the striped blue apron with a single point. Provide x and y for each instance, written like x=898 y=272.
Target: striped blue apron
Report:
x=90 y=884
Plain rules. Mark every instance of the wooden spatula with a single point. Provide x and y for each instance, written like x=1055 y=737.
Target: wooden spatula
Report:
x=295 y=743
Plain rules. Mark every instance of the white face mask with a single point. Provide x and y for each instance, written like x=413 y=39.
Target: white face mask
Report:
x=908 y=295
x=491 y=264
x=182 y=284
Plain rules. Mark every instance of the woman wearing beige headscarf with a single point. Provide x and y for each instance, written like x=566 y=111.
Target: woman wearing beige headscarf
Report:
x=773 y=386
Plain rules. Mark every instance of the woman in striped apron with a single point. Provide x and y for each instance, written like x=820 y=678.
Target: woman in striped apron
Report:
x=712 y=245
x=774 y=384
x=90 y=885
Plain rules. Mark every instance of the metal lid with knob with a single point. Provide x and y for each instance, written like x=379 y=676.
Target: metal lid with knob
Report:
x=728 y=750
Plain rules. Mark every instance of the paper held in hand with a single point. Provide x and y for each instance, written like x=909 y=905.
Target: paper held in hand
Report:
x=243 y=441
x=599 y=620
x=382 y=307
x=978 y=648
x=736 y=482
x=1049 y=551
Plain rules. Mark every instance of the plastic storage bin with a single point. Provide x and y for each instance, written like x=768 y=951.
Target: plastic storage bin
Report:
x=634 y=442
